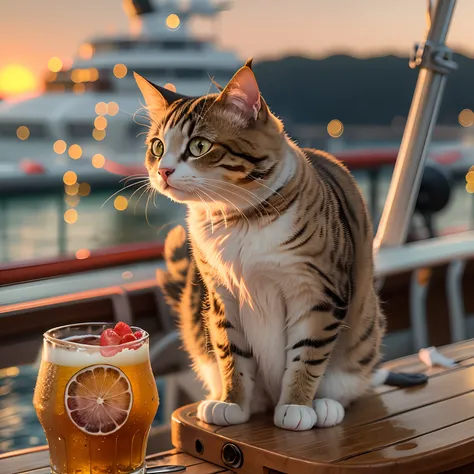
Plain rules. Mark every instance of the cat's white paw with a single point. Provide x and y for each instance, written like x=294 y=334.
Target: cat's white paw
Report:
x=221 y=413
x=329 y=412
x=294 y=417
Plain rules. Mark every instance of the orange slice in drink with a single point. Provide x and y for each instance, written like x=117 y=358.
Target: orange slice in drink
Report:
x=98 y=399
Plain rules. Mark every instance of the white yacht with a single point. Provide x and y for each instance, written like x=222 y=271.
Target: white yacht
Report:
x=100 y=83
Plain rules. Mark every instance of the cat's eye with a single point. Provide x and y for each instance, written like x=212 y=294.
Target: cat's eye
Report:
x=157 y=148
x=198 y=146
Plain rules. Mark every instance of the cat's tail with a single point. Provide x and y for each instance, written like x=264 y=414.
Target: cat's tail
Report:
x=177 y=258
x=397 y=379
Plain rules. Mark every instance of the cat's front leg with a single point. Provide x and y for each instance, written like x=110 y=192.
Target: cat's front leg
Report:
x=236 y=363
x=310 y=339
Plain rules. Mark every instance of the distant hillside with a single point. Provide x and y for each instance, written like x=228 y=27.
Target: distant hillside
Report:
x=355 y=91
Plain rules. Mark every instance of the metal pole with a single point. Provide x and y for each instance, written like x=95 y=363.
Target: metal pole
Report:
x=434 y=60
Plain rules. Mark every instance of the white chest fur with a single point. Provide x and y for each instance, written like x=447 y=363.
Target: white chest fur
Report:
x=248 y=261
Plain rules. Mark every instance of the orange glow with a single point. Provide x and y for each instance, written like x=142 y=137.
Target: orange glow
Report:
x=71 y=190
x=170 y=87
x=335 y=128
x=55 y=64
x=120 y=71
x=78 y=89
x=120 y=203
x=23 y=132
x=86 y=51
x=466 y=117
x=112 y=108
x=70 y=178
x=16 y=79
x=75 y=152
x=173 y=21
x=101 y=108
x=100 y=123
x=59 y=147
x=98 y=161
x=98 y=135
x=84 y=189
x=470 y=188
x=70 y=216
x=72 y=201
x=82 y=254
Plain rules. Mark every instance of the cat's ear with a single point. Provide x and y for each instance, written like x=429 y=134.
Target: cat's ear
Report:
x=242 y=93
x=157 y=98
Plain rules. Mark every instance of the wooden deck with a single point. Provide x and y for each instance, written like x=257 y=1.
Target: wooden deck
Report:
x=427 y=429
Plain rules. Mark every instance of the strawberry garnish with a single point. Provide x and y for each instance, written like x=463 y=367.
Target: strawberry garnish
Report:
x=139 y=334
x=122 y=328
x=109 y=338
x=128 y=338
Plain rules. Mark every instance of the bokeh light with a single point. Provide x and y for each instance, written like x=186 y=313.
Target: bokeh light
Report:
x=466 y=117
x=98 y=135
x=84 y=189
x=72 y=201
x=16 y=79
x=101 y=108
x=173 y=21
x=86 y=51
x=71 y=190
x=78 y=89
x=59 y=147
x=82 y=254
x=75 y=151
x=120 y=203
x=23 y=132
x=127 y=275
x=120 y=71
x=98 y=160
x=112 y=108
x=335 y=128
x=100 y=123
x=70 y=178
x=55 y=64
x=70 y=216
x=170 y=87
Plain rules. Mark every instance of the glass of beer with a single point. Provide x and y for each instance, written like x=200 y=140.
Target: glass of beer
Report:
x=95 y=403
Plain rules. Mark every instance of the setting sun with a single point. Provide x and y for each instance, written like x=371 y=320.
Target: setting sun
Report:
x=16 y=79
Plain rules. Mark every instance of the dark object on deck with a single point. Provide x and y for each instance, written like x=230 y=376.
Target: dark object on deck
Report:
x=402 y=380
x=435 y=194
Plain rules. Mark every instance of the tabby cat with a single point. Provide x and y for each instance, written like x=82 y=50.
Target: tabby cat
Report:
x=277 y=303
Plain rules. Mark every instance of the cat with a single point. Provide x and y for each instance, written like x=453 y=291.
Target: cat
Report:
x=275 y=292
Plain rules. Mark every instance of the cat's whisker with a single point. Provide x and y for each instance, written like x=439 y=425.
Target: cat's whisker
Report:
x=241 y=197
x=208 y=209
x=135 y=176
x=146 y=207
x=204 y=105
x=232 y=204
x=136 y=190
x=243 y=189
x=221 y=207
x=139 y=197
x=119 y=191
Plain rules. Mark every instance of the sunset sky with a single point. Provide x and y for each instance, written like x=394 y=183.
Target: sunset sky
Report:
x=32 y=31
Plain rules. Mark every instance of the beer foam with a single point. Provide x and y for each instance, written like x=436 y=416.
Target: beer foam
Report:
x=85 y=357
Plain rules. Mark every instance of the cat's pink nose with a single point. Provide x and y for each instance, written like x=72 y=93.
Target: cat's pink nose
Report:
x=165 y=173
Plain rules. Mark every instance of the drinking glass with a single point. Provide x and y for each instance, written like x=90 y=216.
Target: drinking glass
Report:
x=96 y=404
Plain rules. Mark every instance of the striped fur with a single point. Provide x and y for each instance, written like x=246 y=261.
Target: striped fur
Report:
x=277 y=304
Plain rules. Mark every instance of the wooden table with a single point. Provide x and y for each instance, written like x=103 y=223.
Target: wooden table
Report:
x=427 y=429
x=36 y=461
